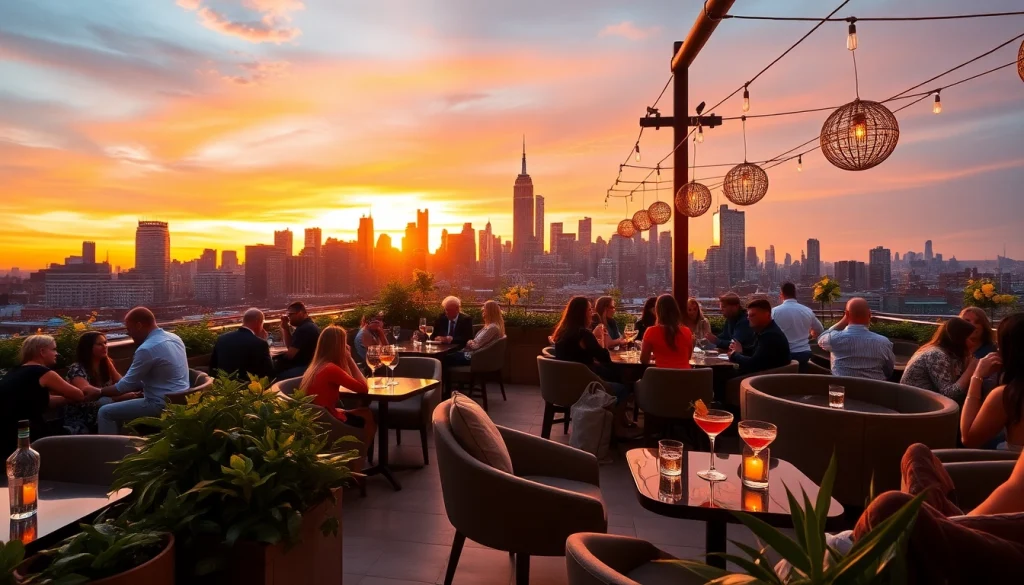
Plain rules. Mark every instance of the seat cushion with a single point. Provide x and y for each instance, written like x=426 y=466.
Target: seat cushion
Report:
x=663 y=573
x=580 y=487
x=476 y=433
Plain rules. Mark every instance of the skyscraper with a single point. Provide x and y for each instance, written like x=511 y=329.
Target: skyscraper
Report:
x=880 y=268
x=265 y=268
x=788 y=261
x=812 y=267
x=364 y=241
x=729 y=234
x=487 y=250
x=88 y=252
x=522 y=216
x=283 y=239
x=339 y=259
x=423 y=230
x=229 y=260
x=928 y=251
x=539 y=230
x=207 y=261
x=556 y=230
x=153 y=256
x=585 y=231
x=314 y=239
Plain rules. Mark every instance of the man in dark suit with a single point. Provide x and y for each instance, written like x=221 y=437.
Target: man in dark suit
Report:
x=453 y=326
x=770 y=348
x=245 y=350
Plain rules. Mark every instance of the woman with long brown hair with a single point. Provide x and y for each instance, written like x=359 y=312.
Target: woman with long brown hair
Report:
x=982 y=341
x=668 y=341
x=647 y=317
x=983 y=417
x=93 y=368
x=603 y=323
x=332 y=369
x=944 y=364
x=695 y=320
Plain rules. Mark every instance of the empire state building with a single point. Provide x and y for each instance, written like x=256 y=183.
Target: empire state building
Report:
x=522 y=216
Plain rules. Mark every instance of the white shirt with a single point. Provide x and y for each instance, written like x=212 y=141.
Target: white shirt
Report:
x=796 y=321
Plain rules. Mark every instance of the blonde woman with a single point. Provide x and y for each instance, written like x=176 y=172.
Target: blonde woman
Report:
x=695 y=321
x=27 y=391
x=493 y=330
x=331 y=370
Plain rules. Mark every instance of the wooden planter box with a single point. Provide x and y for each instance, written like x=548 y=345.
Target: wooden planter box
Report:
x=157 y=571
x=199 y=361
x=524 y=345
x=316 y=560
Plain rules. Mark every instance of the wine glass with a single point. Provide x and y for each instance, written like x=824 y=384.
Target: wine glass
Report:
x=629 y=333
x=373 y=360
x=387 y=355
x=757 y=434
x=392 y=365
x=396 y=331
x=712 y=422
x=428 y=330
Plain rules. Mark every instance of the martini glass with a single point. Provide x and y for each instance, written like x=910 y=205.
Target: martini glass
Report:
x=757 y=435
x=712 y=422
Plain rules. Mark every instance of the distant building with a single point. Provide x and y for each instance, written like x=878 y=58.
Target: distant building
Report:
x=314 y=237
x=284 y=239
x=304 y=273
x=539 y=229
x=208 y=261
x=729 y=234
x=364 y=240
x=812 y=268
x=880 y=269
x=556 y=230
x=219 y=288
x=153 y=256
x=265 y=272
x=229 y=260
x=88 y=252
x=340 y=261
x=928 y=251
x=522 y=216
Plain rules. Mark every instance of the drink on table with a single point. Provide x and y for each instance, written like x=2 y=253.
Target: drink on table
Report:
x=423 y=327
x=711 y=422
x=396 y=331
x=428 y=330
x=836 y=396
x=23 y=476
x=670 y=457
x=373 y=360
x=757 y=435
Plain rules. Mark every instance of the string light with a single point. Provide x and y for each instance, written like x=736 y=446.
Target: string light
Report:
x=637 y=148
x=937 y=107
x=851 y=37
x=746 y=98
x=799 y=163
x=700 y=134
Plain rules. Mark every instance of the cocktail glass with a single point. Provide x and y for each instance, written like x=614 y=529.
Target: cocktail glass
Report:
x=712 y=422
x=757 y=435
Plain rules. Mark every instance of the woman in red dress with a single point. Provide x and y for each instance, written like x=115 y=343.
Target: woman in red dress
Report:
x=332 y=370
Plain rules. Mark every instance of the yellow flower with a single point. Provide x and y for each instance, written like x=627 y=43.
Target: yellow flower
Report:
x=978 y=295
x=255 y=386
x=970 y=281
x=79 y=326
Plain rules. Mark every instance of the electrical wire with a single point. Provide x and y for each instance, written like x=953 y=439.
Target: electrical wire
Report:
x=874 y=18
x=965 y=63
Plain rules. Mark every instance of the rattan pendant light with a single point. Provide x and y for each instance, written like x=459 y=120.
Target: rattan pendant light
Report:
x=693 y=199
x=745 y=183
x=641 y=219
x=1020 y=61
x=626 y=228
x=659 y=211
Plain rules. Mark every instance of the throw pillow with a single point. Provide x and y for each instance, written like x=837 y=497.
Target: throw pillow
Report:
x=476 y=433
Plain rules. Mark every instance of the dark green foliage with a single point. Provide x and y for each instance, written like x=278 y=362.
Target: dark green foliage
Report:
x=198 y=338
x=11 y=555
x=97 y=552
x=532 y=320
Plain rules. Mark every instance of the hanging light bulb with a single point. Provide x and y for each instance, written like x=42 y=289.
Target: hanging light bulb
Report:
x=851 y=37
x=746 y=179
x=637 y=147
x=746 y=98
x=859 y=127
x=799 y=163
x=937 y=106
x=700 y=135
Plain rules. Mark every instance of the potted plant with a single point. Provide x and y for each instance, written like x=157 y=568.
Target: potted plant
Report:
x=199 y=340
x=982 y=293
x=240 y=476
x=876 y=558
x=103 y=554
x=12 y=553
x=826 y=292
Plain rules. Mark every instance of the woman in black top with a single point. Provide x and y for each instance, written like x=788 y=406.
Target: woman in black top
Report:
x=647 y=318
x=27 y=391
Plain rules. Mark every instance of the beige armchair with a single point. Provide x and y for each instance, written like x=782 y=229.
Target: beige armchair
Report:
x=554 y=493
x=413 y=414
x=486 y=364
x=666 y=393
x=561 y=385
x=335 y=429
x=87 y=459
x=975 y=472
x=198 y=382
x=548 y=352
x=732 y=386
x=867 y=445
x=608 y=559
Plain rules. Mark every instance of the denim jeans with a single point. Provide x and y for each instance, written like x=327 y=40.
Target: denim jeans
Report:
x=111 y=417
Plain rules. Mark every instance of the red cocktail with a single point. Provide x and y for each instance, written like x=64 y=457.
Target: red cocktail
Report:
x=711 y=422
x=757 y=434
x=712 y=427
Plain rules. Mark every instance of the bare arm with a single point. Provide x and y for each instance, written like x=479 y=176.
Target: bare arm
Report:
x=57 y=385
x=1007 y=498
x=981 y=419
x=115 y=376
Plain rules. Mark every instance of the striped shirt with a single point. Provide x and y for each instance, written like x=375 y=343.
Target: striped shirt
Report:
x=858 y=352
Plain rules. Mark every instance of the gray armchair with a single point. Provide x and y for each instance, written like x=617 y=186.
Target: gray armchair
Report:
x=485 y=364
x=330 y=424
x=554 y=493
x=608 y=559
x=198 y=382
x=87 y=459
x=413 y=414
x=732 y=387
x=666 y=393
x=561 y=385
x=975 y=472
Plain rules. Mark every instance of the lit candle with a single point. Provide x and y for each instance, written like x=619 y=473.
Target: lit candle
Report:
x=753 y=501
x=753 y=468
x=28 y=494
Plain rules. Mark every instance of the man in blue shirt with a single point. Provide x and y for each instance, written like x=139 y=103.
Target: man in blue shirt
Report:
x=737 y=328
x=158 y=368
x=856 y=351
x=798 y=323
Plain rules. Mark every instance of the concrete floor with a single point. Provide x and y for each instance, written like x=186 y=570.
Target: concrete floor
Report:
x=404 y=537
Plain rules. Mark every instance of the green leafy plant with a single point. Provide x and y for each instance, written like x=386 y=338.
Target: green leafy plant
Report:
x=401 y=305
x=98 y=551
x=9 y=350
x=198 y=338
x=876 y=558
x=982 y=293
x=532 y=320
x=826 y=292
x=11 y=555
x=237 y=462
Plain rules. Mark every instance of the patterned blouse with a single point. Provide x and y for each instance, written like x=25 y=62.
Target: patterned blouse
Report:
x=80 y=418
x=934 y=369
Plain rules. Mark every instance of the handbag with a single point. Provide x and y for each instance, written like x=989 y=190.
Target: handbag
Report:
x=591 y=421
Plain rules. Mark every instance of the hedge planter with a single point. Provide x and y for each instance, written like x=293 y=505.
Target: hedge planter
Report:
x=524 y=345
x=157 y=571
x=199 y=361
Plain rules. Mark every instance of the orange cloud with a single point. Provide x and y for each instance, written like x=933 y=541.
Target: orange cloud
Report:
x=627 y=30
x=272 y=26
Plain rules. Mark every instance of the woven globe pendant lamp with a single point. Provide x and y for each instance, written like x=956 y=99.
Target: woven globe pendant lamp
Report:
x=626 y=228
x=1020 y=61
x=659 y=212
x=693 y=199
x=745 y=184
x=642 y=221
x=859 y=135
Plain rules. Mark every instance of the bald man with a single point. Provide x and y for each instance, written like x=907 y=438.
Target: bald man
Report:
x=158 y=368
x=856 y=351
x=244 y=351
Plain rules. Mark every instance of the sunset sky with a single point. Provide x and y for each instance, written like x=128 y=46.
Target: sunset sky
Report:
x=232 y=118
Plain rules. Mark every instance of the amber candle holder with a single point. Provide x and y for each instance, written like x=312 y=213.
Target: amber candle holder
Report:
x=754 y=500
x=755 y=468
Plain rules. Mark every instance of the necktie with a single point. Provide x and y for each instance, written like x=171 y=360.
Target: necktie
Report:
x=451 y=328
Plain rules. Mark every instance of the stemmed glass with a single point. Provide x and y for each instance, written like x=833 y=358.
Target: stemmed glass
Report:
x=712 y=422
x=387 y=356
x=423 y=325
x=393 y=364
x=396 y=331
x=373 y=360
x=757 y=435
x=428 y=330
x=629 y=334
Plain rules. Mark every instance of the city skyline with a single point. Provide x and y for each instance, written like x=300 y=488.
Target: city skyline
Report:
x=131 y=110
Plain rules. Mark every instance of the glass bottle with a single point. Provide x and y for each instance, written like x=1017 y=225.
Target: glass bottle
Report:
x=23 y=476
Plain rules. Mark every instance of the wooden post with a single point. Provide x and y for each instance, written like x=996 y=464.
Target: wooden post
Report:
x=680 y=162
